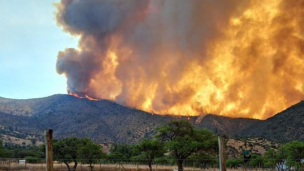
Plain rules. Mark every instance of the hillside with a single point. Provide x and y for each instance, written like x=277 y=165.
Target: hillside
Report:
x=235 y=147
x=109 y=122
x=225 y=125
x=287 y=125
x=102 y=121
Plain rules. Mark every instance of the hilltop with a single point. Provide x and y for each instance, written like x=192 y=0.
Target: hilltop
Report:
x=105 y=121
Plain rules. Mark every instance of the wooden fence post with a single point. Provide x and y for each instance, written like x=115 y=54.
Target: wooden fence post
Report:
x=222 y=152
x=49 y=149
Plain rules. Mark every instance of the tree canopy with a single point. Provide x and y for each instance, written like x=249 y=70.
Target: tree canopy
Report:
x=150 y=149
x=183 y=140
x=73 y=149
x=89 y=152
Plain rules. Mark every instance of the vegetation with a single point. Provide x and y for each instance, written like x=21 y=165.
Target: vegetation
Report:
x=18 y=151
x=66 y=150
x=122 y=152
x=295 y=154
x=74 y=149
x=286 y=157
x=177 y=142
x=3 y=151
x=89 y=152
x=234 y=162
x=183 y=140
x=149 y=150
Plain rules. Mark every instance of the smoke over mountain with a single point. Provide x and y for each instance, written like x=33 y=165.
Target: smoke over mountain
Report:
x=234 y=58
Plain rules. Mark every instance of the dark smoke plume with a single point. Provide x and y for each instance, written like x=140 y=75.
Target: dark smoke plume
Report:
x=236 y=58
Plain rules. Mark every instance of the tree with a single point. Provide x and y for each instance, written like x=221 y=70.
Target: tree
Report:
x=234 y=162
x=202 y=160
x=256 y=161
x=33 y=140
x=3 y=152
x=90 y=152
x=122 y=152
x=270 y=158
x=149 y=150
x=1 y=145
x=295 y=153
x=67 y=150
x=277 y=158
x=73 y=149
x=206 y=156
x=182 y=139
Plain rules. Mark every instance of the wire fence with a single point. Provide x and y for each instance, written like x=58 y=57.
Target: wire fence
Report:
x=11 y=164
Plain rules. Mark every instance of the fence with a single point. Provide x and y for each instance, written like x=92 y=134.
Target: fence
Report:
x=118 y=165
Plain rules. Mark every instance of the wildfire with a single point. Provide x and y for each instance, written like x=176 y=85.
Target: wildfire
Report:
x=82 y=97
x=237 y=58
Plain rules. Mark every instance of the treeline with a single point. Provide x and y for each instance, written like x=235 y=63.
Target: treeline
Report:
x=174 y=142
x=289 y=156
x=177 y=142
x=18 y=151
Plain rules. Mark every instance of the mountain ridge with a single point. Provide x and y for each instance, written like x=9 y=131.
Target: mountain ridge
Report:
x=109 y=122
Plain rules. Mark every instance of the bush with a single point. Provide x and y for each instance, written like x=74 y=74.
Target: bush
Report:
x=256 y=161
x=31 y=159
x=234 y=163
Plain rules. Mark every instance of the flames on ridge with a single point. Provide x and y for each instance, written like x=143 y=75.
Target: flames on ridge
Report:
x=84 y=96
x=234 y=58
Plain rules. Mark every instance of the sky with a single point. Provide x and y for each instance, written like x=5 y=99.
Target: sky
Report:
x=29 y=43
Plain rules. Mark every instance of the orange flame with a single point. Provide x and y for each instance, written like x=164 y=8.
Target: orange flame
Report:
x=85 y=96
x=250 y=63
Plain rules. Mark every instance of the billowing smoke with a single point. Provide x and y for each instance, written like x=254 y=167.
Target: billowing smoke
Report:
x=186 y=57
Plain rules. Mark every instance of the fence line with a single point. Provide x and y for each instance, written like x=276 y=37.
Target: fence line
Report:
x=11 y=164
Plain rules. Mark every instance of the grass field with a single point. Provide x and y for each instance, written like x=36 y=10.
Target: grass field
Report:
x=107 y=167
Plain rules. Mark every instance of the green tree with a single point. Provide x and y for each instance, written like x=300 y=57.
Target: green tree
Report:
x=277 y=158
x=295 y=153
x=270 y=158
x=234 y=162
x=31 y=159
x=66 y=151
x=206 y=156
x=2 y=150
x=1 y=145
x=33 y=140
x=115 y=156
x=122 y=152
x=202 y=160
x=90 y=152
x=73 y=149
x=183 y=140
x=256 y=161
x=149 y=150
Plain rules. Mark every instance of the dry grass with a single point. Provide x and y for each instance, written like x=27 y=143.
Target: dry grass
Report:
x=107 y=167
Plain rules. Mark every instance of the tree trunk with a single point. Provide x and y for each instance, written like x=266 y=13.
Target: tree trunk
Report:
x=68 y=166
x=91 y=167
x=150 y=165
x=180 y=165
x=75 y=165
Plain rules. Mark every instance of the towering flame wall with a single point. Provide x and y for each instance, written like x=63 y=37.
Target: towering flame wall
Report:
x=238 y=58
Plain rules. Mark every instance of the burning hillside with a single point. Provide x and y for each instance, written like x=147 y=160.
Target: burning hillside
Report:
x=82 y=96
x=235 y=58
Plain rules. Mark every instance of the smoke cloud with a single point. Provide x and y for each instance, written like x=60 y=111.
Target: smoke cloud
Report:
x=232 y=58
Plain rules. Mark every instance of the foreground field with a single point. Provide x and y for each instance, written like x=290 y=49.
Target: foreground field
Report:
x=107 y=167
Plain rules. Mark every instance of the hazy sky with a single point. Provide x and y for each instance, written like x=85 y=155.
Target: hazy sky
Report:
x=29 y=43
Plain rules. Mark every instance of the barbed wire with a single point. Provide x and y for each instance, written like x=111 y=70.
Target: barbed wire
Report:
x=130 y=160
